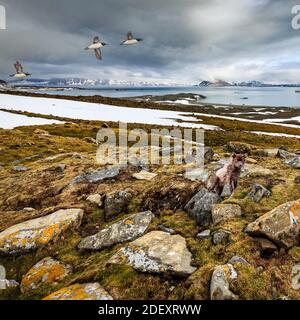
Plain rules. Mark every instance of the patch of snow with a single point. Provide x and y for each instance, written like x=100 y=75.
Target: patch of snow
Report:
x=182 y=101
x=248 y=120
x=276 y=134
x=10 y=120
x=94 y=111
x=254 y=113
x=282 y=120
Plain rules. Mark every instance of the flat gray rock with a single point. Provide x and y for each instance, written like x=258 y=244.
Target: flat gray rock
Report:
x=254 y=170
x=197 y=174
x=294 y=162
x=125 y=230
x=206 y=234
x=97 y=176
x=237 y=259
x=156 y=252
x=19 y=169
x=283 y=154
x=144 y=175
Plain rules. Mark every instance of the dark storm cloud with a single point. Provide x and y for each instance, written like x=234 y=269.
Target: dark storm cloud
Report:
x=184 y=40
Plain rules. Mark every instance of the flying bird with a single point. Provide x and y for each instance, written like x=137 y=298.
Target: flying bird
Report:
x=96 y=46
x=19 y=71
x=130 y=39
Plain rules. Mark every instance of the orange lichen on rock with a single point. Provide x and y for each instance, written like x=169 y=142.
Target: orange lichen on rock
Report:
x=47 y=271
x=88 y=291
x=36 y=233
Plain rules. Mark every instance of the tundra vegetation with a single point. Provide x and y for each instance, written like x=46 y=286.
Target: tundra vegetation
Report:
x=79 y=253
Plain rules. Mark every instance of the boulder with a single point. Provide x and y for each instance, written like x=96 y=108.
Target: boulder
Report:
x=156 y=252
x=251 y=160
x=95 y=199
x=253 y=170
x=19 y=169
x=273 y=152
x=199 y=174
x=294 y=162
x=87 y=291
x=296 y=277
x=220 y=282
x=37 y=233
x=200 y=206
x=125 y=230
x=238 y=147
x=237 y=259
x=206 y=234
x=280 y=225
x=4 y=283
x=47 y=271
x=144 y=175
x=98 y=175
x=116 y=203
x=283 y=154
x=258 y=192
x=221 y=237
x=224 y=212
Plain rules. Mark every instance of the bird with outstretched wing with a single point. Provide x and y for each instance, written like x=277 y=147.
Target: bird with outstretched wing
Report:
x=18 y=67
x=129 y=35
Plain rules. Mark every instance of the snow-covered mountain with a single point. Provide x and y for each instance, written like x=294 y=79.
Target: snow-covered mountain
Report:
x=253 y=83
x=83 y=82
x=218 y=83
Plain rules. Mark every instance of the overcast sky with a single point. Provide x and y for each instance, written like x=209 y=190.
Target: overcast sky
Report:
x=185 y=41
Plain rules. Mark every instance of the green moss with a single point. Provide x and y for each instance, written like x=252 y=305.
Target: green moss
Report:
x=295 y=254
x=119 y=276
x=179 y=222
x=134 y=205
x=250 y=284
x=97 y=216
x=199 y=283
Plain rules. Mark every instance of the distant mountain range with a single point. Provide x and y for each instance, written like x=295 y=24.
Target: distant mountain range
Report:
x=88 y=83
x=221 y=83
x=83 y=82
